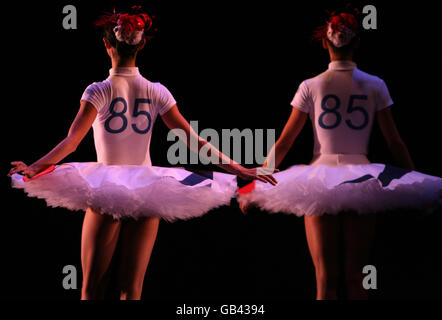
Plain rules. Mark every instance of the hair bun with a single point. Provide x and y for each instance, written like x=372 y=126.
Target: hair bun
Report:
x=341 y=29
x=127 y=27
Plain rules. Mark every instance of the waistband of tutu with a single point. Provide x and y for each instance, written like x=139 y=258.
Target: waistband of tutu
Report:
x=337 y=159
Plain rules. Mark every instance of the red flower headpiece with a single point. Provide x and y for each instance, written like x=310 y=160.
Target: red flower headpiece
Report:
x=127 y=27
x=136 y=22
x=339 y=29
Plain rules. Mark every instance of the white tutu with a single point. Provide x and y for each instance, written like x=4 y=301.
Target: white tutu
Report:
x=131 y=191
x=364 y=188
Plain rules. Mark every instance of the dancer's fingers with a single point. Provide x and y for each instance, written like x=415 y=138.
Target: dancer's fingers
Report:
x=14 y=170
x=18 y=166
x=261 y=178
x=267 y=179
x=16 y=163
x=266 y=171
x=272 y=178
x=243 y=208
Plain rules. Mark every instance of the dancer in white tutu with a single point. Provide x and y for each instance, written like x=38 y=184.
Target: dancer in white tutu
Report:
x=123 y=184
x=342 y=104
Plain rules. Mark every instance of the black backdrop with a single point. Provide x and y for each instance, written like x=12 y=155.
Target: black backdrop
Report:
x=228 y=66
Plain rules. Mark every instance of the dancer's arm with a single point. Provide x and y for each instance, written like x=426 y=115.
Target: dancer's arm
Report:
x=394 y=141
x=291 y=130
x=174 y=120
x=78 y=130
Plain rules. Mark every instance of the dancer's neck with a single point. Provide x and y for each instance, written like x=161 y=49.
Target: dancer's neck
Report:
x=123 y=63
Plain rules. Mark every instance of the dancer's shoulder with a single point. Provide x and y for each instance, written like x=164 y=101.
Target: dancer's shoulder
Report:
x=367 y=77
x=98 y=93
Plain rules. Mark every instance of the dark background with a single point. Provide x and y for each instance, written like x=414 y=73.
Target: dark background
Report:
x=228 y=66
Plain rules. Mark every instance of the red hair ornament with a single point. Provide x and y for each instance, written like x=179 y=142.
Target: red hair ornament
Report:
x=340 y=29
x=128 y=28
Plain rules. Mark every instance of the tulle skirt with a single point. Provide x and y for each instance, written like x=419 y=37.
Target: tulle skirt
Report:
x=176 y=193
x=314 y=190
x=130 y=190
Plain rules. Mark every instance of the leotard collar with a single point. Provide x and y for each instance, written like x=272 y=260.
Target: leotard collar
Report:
x=342 y=65
x=124 y=71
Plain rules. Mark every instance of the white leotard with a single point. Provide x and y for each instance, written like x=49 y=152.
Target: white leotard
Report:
x=127 y=106
x=342 y=103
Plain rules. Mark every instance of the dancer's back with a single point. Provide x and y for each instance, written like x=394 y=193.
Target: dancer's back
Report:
x=127 y=106
x=342 y=103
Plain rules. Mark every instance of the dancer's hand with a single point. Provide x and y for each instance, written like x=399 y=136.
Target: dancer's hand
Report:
x=260 y=173
x=243 y=207
x=28 y=171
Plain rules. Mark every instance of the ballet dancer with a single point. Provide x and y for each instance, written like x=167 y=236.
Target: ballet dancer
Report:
x=123 y=194
x=340 y=191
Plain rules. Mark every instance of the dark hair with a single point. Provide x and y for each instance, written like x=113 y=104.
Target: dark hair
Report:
x=129 y=22
x=124 y=50
x=346 y=50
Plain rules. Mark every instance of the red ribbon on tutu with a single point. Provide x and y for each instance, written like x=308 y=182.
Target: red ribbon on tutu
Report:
x=48 y=170
x=248 y=188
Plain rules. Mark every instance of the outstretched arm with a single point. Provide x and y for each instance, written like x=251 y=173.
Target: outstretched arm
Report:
x=174 y=120
x=78 y=130
x=391 y=134
x=291 y=130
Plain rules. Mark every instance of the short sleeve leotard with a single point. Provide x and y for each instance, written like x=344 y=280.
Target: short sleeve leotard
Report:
x=341 y=103
x=127 y=106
